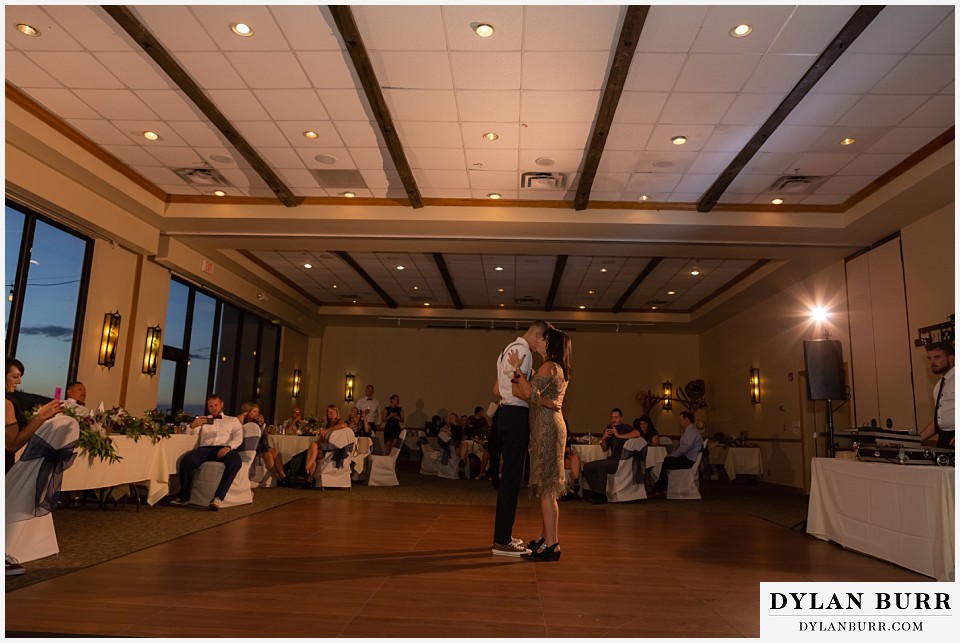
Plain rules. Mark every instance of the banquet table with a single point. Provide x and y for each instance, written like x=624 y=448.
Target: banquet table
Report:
x=592 y=452
x=142 y=461
x=738 y=460
x=900 y=513
x=288 y=446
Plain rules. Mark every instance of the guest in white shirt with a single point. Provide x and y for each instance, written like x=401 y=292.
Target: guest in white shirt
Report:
x=76 y=399
x=943 y=425
x=220 y=436
x=369 y=407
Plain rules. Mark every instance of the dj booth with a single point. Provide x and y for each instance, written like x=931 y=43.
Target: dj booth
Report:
x=900 y=513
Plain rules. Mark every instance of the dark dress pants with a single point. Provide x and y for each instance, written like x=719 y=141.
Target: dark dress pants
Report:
x=513 y=427
x=671 y=462
x=191 y=460
x=596 y=472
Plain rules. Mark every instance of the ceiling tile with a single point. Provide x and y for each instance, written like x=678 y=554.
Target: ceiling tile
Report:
x=238 y=105
x=665 y=162
x=492 y=180
x=811 y=28
x=445 y=193
x=559 y=107
x=261 y=133
x=436 y=158
x=442 y=178
x=618 y=161
x=223 y=157
x=698 y=183
x=344 y=160
x=565 y=70
x=752 y=109
x=650 y=183
x=650 y=72
x=941 y=40
x=714 y=35
x=662 y=135
x=845 y=185
x=794 y=138
x=120 y=104
x=730 y=138
x=487 y=160
x=176 y=27
x=75 y=69
x=508 y=135
x=62 y=102
x=564 y=160
x=159 y=175
x=871 y=164
x=171 y=104
x=716 y=72
x=376 y=178
x=938 y=112
x=485 y=70
x=421 y=105
x=493 y=106
x=370 y=158
x=507 y=22
x=291 y=104
x=407 y=28
x=823 y=164
x=24 y=73
x=712 y=162
x=671 y=28
x=135 y=70
x=855 y=73
x=328 y=69
x=414 y=134
x=360 y=134
x=880 y=111
x=917 y=75
x=412 y=69
x=904 y=140
x=821 y=109
x=307 y=28
x=217 y=19
x=211 y=70
x=624 y=136
x=241 y=178
x=134 y=131
x=899 y=28
x=132 y=155
x=175 y=157
x=281 y=157
x=269 y=69
x=640 y=107
x=778 y=74
x=573 y=136
x=772 y=163
x=865 y=137
x=345 y=104
x=695 y=108
x=199 y=134
x=54 y=37
x=580 y=28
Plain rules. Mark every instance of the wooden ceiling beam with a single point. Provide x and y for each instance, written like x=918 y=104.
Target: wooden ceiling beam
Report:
x=860 y=20
x=447 y=279
x=558 y=269
x=653 y=263
x=153 y=48
x=350 y=261
x=633 y=23
x=343 y=16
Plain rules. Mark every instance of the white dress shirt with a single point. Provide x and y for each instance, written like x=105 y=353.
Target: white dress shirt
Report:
x=372 y=406
x=945 y=412
x=226 y=431
x=505 y=371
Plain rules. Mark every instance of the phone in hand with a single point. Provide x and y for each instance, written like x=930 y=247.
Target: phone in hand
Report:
x=56 y=394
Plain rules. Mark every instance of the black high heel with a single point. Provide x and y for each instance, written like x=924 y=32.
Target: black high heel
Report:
x=545 y=555
x=534 y=545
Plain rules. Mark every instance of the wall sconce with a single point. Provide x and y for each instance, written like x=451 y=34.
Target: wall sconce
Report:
x=755 y=385
x=296 y=382
x=348 y=387
x=666 y=394
x=109 y=339
x=151 y=350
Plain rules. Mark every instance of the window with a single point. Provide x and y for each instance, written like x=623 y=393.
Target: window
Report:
x=46 y=272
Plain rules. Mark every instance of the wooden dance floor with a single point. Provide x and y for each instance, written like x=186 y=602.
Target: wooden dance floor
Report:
x=333 y=566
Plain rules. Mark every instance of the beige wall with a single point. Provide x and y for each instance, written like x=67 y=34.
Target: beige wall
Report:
x=293 y=356
x=928 y=266
x=151 y=309
x=455 y=369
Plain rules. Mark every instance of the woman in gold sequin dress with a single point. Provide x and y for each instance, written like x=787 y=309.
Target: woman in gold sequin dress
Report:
x=548 y=434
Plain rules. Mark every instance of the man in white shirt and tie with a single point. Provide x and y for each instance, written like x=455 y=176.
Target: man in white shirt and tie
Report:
x=369 y=406
x=941 y=358
x=220 y=436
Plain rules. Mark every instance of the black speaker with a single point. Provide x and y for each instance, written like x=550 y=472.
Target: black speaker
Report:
x=824 y=362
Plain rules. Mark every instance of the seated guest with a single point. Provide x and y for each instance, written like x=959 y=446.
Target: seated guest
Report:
x=684 y=454
x=596 y=472
x=645 y=425
x=476 y=425
x=332 y=422
x=359 y=424
x=392 y=423
x=455 y=431
x=293 y=424
x=76 y=394
x=250 y=412
x=433 y=429
x=220 y=436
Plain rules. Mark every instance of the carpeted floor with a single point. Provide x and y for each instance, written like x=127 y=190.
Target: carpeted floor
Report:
x=88 y=536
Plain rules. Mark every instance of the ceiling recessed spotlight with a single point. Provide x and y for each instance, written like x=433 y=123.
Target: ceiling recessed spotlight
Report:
x=582 y=307
x=490 y=136
x=777 y=201
x=493 y=195
x=591 y=292
x=671 y=292
x=499 y=289
x=310 y=134
x=653 y=307
x=678 y=140
x=501 y=305
x=545 y=161
x=694 y=272
x=308 y=266
x=334 y=285
x=325 y=159
x=28 y=30
x=740 y=31
x=151 y=136
x=349 y=195
x=219 y=193
x=483 y=30
x=426 y=303
x=848 y=141
x=416 y=287
x=603 y=270
x=498 y=268
x=644 y=197
x=354 y=301
x=400 y=267
x=241 y=29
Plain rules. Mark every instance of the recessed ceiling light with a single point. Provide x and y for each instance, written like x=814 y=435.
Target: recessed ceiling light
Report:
x=493 y=195
x=334 y=285
x=400 y=267
x=501 y=305
x=416 y=287
x=644 y=197
x=777 y=201
x=499 y=289
x=498 y=268
x=671 y=292
x=349 y=195
x=603 y=270
x=653 y=307
x=740 y=31
x=483 y=30
x=582 y=307
x=354 y=301
x=219 y=193
x=490 y=136
x=241 y=29
x=848 y=141
x=591 y=292
x=694 y=272
x=310 y=134
x=151 y=136
x=426 y=303
x=308 y=266
x=326 y=159
x=545 y=161
x=678 y=140
x=28 y=30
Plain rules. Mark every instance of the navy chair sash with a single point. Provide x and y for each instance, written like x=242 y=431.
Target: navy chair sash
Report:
x=50 y=476
x=339 y=455
x=447 y=449
x=639 y=458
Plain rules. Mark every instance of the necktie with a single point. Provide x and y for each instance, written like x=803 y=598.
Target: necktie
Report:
x=218 y=416
x=936 y=407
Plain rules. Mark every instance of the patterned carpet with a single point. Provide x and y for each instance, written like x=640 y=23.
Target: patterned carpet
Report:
x=88 y=536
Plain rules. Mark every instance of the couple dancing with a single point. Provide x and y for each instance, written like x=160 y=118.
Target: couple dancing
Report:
x=529 y=416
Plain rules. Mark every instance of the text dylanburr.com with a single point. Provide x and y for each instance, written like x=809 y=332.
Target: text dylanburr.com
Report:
x=848 y=610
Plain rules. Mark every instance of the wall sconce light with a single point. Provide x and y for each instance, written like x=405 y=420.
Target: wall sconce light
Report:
x=109 y=339
x=666 y=394
x=297 y=375
x=348 y=387
x=755 y=385
x=151 y=350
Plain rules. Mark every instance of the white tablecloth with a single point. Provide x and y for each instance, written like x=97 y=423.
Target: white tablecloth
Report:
x=142 y=461
x=288 y=446
x=745 y=460
x=900 y=513
x=591 y=452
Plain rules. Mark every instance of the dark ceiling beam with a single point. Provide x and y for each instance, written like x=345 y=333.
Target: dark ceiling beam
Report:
x=343 y=16
x=149 y=43
x=350 y=261
x=653 y=263
x=263 y=265
x=633 y=23
x=558 y=269
x=855 y=26
x=447 y=279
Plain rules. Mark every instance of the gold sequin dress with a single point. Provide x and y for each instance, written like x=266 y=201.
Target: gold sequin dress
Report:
x=548 y=435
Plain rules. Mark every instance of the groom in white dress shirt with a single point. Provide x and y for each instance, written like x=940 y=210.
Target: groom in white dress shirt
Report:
x=220 y=436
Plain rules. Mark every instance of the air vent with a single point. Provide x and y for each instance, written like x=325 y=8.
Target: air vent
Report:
x=528 y=301
x=794 y=183
x=543 y=181
x=206 y=176
x=338 y=179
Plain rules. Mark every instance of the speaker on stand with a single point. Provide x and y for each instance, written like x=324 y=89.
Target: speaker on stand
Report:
x=823 y=359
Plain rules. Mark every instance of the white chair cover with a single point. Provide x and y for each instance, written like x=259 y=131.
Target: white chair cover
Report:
x=208 y=475
x=684 y=484
x=383 y=468
x=258 y=473
x=29 y=530
x=668 y=443
x=362 y=450
x=430 y=458
x=627 y=483
x=451 y=469
x=330 y=474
